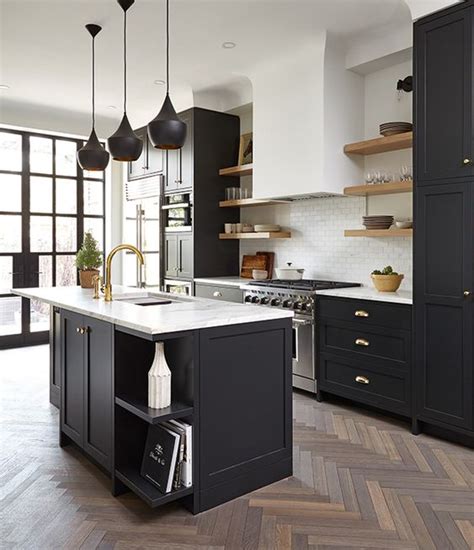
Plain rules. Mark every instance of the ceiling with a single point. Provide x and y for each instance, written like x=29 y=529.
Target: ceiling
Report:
x=45 y=50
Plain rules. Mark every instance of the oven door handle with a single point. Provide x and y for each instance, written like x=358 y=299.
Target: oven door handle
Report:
x=301 y=322
x=176 y=205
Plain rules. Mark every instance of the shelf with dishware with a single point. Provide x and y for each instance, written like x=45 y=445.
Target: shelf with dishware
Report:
x=237 y=171
x=239 y=203
x=383 y=144
x=256 y=235
x=395 y=232
x=390 y=188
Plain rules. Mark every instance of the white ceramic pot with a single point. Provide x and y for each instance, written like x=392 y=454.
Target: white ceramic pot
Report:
x=289 y=273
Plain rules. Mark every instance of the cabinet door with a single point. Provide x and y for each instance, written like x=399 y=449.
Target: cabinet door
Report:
x=155 y=160
x=185 y=256
x=72 y=376
x=443 y=314
x=171 y=255
x=173 y=171
x=186 y=155
x=137 y=168
x=98 y=391
x=443 y=105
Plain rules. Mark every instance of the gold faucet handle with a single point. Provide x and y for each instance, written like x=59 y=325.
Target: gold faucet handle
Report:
x=97 y=282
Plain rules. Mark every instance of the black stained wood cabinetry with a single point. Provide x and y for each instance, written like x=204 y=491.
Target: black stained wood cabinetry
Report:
x=444 y=220
x=444 y=97
x=365 y=352
x=151 y=162
x=180 y=167
x=178 y=255
x=86 y=384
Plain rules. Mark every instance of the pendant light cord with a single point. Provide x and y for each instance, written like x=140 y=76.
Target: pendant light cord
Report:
x=167 y=46
x=93 y=82
x=125 y=61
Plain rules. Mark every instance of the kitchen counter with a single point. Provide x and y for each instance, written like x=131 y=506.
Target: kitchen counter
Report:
x=236 y=282
x=369 y=293
x=184 y=313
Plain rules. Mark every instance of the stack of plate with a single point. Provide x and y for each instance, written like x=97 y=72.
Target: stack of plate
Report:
x=267 y=228
x=377 y=222
x=392 y=128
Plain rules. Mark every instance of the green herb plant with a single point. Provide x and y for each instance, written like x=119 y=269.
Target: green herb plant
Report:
x=388 y=270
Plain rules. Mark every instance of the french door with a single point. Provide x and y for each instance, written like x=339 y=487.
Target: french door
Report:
x=46 y=204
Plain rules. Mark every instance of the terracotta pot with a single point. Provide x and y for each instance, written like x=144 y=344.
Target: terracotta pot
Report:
x=86 y=276
x=387 y=283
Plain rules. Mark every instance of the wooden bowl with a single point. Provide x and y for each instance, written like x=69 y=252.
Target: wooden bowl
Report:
x=387 y=283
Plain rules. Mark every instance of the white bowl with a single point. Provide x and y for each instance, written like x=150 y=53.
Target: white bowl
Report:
x=289 y=273
x=259 y=274
x=406 y=224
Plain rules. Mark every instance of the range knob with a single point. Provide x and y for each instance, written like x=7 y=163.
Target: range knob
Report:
x=275 y=302
x=287 y=303
x=255 y=299
x=265 y=300
x=308 y=306
x=298 y=305
x=248 y=299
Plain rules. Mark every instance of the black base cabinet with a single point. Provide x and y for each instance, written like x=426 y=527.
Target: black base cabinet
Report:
x=233 y=384
x=365 y=352
x=444 y=221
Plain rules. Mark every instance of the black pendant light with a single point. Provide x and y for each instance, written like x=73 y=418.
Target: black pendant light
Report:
x=167 y=130
x=125 y=145
x=93 y=156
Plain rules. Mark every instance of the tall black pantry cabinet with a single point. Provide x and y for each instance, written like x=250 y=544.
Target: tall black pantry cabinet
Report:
x=444 y=220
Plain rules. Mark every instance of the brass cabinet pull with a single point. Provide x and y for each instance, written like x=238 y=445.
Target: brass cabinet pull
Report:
x=81 y=330
x=362 y=380
x=467 y=162
x=362 y=342
x=217 y=294
x=467 y=293
x=78 y=330
x=361 y=313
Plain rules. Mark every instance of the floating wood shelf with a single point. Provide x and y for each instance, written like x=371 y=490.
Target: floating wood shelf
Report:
x=379 y=189
x=378 y=233
x=260 y=235
x=149 y=493
x=154 y=416
x=250 y=202
x=380 y=145
x=239 y=171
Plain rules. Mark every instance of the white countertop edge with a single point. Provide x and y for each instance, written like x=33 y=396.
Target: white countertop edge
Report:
x=180 y=317
x=235 y=282
x=368 y=293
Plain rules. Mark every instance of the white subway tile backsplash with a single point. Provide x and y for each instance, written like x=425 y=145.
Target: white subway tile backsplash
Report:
x=318 y=243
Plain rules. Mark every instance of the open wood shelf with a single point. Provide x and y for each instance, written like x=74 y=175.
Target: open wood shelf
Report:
x=239 y=171
x=154 y=416
x=131 y=477
x=380 y=145
x=378 y=232
x=260 y=235
x=250 y=202
x=379 y=189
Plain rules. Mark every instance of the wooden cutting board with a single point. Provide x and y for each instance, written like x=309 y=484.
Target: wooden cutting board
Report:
x=270 y=262
x=249 y=263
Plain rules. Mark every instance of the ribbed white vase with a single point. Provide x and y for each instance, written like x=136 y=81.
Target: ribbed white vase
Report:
x=159 y=380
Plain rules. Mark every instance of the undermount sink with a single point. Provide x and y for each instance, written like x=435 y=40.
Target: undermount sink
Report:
x=144 y=300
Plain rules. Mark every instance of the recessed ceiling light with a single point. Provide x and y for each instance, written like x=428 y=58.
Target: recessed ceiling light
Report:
x=4 y=87
x=160 y=82
x=229 y=45
x=111 y=107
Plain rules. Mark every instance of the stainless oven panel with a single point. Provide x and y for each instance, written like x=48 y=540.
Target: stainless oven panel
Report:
x=178 y=287
x=303 y=348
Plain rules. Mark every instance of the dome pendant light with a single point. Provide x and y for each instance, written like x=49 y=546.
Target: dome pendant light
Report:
x=93 y=156
x=125 y=145
x=167 y=130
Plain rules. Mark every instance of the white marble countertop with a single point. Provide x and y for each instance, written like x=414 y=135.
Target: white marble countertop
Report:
x=236 y=282
x=370 y=293
x=184 y=313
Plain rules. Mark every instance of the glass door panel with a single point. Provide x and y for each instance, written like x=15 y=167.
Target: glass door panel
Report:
x=10 y=152
x=10 y=316
x=11 y=198
x=41 y=194
x=41 y=234
x=41 y=155
x=66 y=234
x=10 y=233
x=66 y=272
x=96 y=227
x=66 y=196
x=6 y=274
x=66 y=164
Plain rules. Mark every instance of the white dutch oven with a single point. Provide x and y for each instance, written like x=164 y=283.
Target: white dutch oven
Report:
x=289 y=273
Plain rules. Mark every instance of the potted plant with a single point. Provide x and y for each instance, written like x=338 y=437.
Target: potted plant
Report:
x=88 y=261
x=387 y=280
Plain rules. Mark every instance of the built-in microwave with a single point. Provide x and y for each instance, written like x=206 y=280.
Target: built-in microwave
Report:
x=177 y=211
x=183 y=288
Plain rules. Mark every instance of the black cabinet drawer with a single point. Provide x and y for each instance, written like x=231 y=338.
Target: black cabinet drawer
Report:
x=354 y=380
x=365 y=312
x=371 y=342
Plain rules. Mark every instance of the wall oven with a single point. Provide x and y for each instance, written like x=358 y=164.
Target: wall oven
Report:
x=182 y=288
x=177 y=212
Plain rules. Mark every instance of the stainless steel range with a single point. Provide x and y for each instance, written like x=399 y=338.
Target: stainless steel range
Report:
x=299 y=296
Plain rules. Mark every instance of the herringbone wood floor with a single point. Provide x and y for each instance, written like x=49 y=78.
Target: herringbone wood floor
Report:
x=360 y=481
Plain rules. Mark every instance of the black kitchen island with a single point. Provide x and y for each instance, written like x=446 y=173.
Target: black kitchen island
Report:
x=231 y=380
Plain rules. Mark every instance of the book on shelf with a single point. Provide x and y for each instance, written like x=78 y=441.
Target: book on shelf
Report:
x=167 y=461
x=160 y=457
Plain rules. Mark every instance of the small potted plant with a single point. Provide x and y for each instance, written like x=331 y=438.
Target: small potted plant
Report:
x=88 y=261
x=387 y=280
